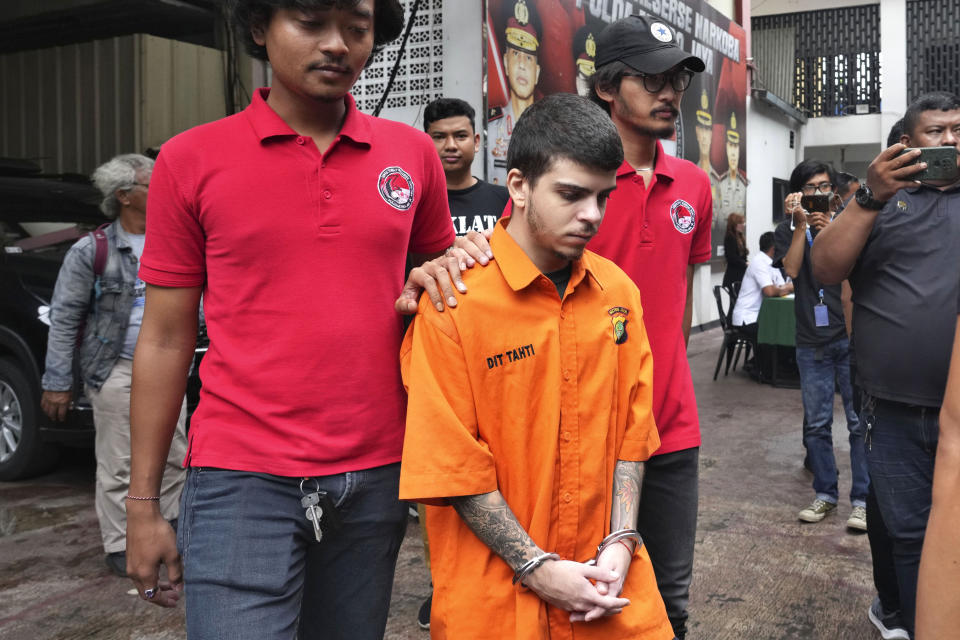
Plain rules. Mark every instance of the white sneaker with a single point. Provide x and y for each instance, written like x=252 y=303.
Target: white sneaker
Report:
x=817 y=511
x=889 y=624
x=858 y=519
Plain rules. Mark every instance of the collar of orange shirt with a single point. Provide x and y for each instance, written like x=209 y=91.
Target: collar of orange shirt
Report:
x=517 y=268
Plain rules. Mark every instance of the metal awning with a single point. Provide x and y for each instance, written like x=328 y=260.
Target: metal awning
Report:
x=49 y=23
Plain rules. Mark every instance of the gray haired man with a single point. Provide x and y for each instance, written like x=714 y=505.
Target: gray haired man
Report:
x=107 y=309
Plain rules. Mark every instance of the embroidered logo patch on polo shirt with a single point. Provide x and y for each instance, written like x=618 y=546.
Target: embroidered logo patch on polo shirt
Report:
x=618 y=316
x=396 y=188
x=683 y=216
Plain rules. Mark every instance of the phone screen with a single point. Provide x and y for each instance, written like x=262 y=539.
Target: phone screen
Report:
x=818 y=202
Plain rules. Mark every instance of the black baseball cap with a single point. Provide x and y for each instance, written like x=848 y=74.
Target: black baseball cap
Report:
x=645 y=44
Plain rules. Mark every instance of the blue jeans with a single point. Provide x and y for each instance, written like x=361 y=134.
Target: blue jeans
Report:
x=822 y=369
x=668 y=523
x=254 y=570
x=901 y=448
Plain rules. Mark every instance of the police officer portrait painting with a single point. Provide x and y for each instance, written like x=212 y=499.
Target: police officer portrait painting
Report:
x=522 y=31
x=732 y=186
x=584 y=53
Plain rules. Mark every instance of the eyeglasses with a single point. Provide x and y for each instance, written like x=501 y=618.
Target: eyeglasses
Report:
x=823 y=187
x=145 y=185
x=656 y=82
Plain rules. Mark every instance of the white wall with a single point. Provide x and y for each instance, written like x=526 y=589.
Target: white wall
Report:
x=726 y=7
x=893 y=63
x=769 y=156
x=463 y=61
x=771 y=7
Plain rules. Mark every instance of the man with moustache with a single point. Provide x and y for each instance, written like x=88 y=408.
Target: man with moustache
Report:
x=732 y=188
x=898 y=243
x=521 y=66
x=657 y=227
x=291 y=520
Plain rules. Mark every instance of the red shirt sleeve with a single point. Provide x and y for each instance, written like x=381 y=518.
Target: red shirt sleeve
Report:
x=173 y=255
x=432 y=225
x=700 y=249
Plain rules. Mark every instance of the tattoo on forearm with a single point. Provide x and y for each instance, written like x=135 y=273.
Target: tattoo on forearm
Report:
x=627 y=479
x=489 y=516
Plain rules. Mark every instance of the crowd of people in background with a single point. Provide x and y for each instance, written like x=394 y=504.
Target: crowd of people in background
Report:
x=558 y=465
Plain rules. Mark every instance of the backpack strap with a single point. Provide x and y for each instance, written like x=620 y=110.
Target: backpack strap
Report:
x=102 y=252
x=102 y=249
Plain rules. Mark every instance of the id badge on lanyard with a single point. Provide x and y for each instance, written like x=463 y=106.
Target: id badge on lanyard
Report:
x=820 y=315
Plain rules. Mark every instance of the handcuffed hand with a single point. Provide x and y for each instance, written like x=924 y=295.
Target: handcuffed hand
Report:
x=567 y=585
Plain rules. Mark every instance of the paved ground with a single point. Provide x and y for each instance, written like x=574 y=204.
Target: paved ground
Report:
x=760 y=574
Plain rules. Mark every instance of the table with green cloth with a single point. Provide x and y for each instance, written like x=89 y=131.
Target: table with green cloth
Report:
x=776 y=330
x=777 y=323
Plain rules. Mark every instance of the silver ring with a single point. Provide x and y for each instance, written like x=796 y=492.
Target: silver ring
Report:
x=149 y=593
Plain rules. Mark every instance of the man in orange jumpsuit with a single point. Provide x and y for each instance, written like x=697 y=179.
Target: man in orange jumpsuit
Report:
x=529 y=440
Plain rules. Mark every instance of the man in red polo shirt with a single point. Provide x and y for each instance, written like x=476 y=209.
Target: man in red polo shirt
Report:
x=290 y=523
x=656 y=228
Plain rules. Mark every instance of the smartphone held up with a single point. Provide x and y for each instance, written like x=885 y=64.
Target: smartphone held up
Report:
x=941 y=164
x=817 y=202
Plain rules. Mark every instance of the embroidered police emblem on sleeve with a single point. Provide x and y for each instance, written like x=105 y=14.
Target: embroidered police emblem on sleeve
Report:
x=683 y=216
x=618 y=316
x=396 y=188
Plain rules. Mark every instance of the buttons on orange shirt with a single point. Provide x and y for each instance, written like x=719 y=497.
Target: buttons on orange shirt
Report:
x=567 y=497
x=566 y=436
x=300 y=140
x=566 y=374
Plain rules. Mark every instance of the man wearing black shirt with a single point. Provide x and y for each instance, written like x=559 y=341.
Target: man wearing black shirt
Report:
x=899 y=244
x=822 y=350
x=475 y=205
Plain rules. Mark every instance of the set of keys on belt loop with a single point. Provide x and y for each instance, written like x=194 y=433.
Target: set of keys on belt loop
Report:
x=320 y=510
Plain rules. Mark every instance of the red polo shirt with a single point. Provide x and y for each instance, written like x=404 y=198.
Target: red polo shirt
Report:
x=653 y=234
x=300 y=255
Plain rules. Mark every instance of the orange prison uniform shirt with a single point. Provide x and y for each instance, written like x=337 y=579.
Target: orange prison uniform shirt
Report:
x=515 y=390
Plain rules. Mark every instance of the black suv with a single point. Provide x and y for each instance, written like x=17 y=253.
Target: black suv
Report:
x=41 y=216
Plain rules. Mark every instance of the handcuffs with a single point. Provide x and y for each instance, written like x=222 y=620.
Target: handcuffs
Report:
x=533 y=564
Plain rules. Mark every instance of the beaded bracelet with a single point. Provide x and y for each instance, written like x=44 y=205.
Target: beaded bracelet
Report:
x=532 y=565
x=129 y=497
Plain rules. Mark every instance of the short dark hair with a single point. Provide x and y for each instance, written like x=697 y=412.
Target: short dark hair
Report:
x=895 y=132
x=933 y=101
x=806 y=170
x=608 y=78
x=843 y=181
x=245 y=14
x=766 y=240
x=448 y=108
x=563 y=125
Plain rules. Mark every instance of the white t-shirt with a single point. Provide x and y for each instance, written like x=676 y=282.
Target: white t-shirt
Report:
x=760 y=273
x=136 y=312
